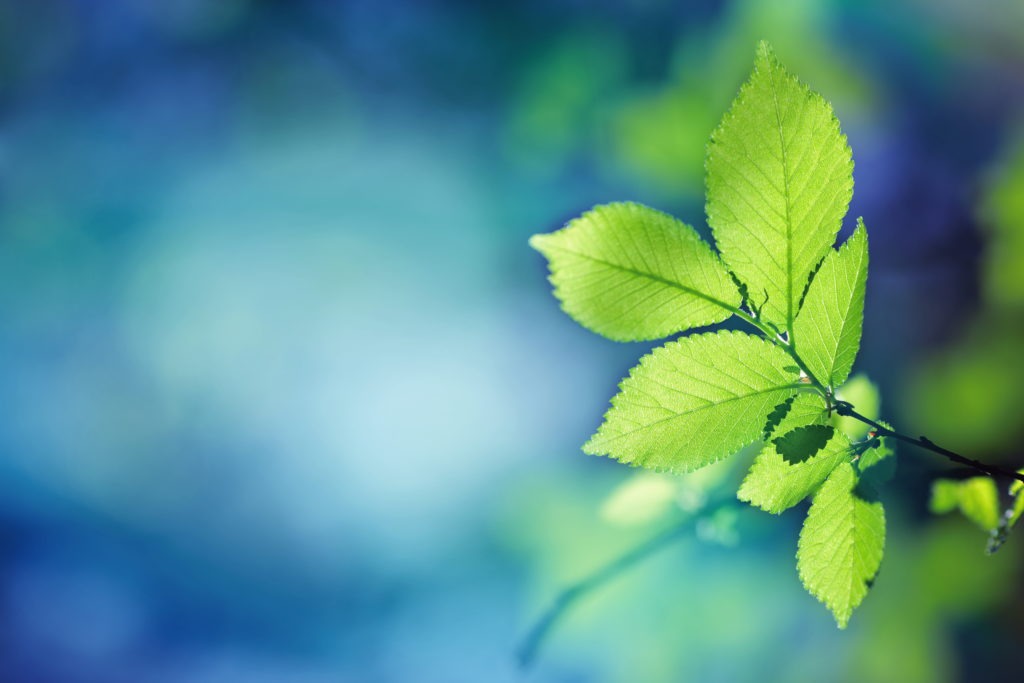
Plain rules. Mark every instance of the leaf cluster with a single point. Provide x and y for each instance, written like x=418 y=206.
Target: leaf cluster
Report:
x=779 y=179
x=977 y=499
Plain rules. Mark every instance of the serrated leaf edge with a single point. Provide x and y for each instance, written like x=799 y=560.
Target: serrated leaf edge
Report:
x=542 y=242
x=842 y=618
x=646 y=358
x=766 y=53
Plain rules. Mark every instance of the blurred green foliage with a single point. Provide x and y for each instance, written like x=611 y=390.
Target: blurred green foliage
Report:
x=685 y=613
x=579 y=99
x=253 y=251
x=969 y=394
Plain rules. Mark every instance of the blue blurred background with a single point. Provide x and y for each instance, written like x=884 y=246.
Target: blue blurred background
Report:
x=285 y=395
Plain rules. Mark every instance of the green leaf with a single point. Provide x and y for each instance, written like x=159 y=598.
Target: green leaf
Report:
x=802 y=443
x=1017 y=491
x=841 y=544
x=803 y=409
x=877 y=464
x=877 y=454
x=779 y=181
x=827 y=330
x=632 y=273
x=1016 y=511
x=774 y=484
x=979 y=501
x=945 y=496
x=977 y=498
x=695 y=401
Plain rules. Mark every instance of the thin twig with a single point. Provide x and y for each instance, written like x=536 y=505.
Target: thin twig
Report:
x=844 y=408
x=527 y=651
x=773 y=336
x=536 y=636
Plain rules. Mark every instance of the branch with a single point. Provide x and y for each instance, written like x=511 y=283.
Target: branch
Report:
x=774 y=337
x=536 y=636
x=844 y=408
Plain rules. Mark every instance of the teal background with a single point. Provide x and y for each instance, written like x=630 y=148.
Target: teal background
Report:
x=285 y=395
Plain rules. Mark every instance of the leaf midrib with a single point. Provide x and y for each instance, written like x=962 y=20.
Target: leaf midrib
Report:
x=649 y=276
x=785 y=186
x=708 y=406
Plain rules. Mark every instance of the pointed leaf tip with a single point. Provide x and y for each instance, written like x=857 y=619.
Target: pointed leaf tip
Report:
x=841 y=544
x=976 y=497
x=779 y=181
x=633 y=273
x=765 y=50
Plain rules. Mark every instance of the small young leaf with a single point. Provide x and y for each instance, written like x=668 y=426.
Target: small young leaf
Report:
x=695 y=401
x=827 y=329
x=977 y=498
x=841 y=544
x=877 y=454
x=945 y=496
x=803 y=443
x=1017 y=491
x=779 y=181
x=979 y=501
x=632 y=273
x=877 y=464
x=804 y=409
x=1016 y=511
x=775 y=485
